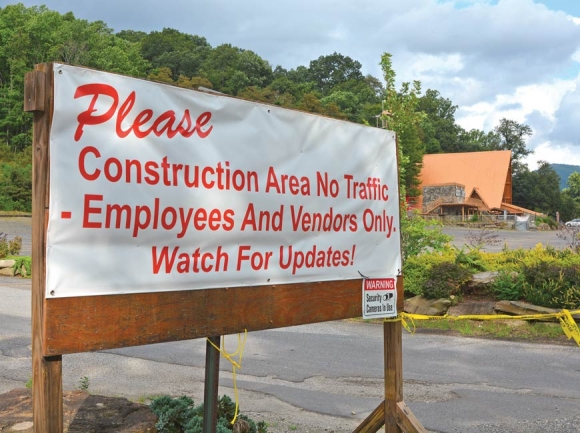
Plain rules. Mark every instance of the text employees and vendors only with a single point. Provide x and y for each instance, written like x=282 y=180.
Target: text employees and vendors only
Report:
x=155 y=176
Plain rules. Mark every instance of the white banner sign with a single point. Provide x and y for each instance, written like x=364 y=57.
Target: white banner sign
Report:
x=155 y=188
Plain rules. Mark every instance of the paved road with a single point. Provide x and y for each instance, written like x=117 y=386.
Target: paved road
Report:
x=330 y=376
x=513 y=239
x=510 y=238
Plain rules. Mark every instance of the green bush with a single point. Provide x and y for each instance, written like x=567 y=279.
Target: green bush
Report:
x=508 y=286
x=15 y=187
x=553 y=286
x=9 y=248
x=544 y=276
x=444 y=280
x=419 y=236
x=471 y=259
x=547 y=220
x=416 y=269
x=180 y=415
x=22 y=262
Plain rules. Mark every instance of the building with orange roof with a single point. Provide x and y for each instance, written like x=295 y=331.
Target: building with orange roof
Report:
x=467 y=183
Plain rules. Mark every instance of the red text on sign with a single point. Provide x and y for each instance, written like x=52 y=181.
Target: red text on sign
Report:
x=141 y=124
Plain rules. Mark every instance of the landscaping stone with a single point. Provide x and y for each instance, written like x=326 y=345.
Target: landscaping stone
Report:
x=516 y=308
x=471 y=308
x=429 y=307
x=7 y=263
x=7 y=272
x=481 y=280
x=83 y=413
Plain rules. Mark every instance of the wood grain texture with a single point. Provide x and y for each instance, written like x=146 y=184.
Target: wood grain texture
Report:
x=407 y=420
x=85 y=324
x=373 y=422
x=393 y=374
x=47 y=403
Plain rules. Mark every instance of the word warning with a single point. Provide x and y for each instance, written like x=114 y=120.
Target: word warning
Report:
x=379 y=298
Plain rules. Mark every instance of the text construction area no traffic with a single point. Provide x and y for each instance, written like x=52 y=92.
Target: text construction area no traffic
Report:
x=155 y=188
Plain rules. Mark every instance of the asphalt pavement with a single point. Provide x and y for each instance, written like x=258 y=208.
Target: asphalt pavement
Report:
x=329 y=376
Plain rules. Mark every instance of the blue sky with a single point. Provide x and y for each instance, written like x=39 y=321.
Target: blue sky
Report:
x=518 y=59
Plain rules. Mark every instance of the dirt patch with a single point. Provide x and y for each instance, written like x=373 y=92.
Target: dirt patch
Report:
x=82 y=413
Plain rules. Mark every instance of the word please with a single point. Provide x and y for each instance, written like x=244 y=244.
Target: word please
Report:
x=141 y=124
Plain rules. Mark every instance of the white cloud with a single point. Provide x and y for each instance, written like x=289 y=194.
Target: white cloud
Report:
x=493 y=58
x=554 y=154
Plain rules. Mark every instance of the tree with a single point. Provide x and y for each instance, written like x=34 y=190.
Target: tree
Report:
x=346 y=102
x=537 y=190
x=231 y=69
x=330 y=71
x=569 y=208
x=546 y=189
x=182 y=53
x=403 y=117
x=443 y=132
x=476 y=140
x=512 y=136
x=573 y=183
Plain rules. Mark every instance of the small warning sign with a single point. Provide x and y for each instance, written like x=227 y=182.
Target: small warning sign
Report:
x=379 y=298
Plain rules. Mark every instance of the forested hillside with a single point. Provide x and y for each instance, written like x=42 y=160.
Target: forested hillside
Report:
x=564 y=171
x=331 y=85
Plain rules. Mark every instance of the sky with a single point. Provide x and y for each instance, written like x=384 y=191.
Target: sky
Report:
x=518 y=59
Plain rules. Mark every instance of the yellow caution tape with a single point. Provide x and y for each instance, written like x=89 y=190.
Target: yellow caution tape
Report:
x=235 y=364
x=569 y=326
x=566 y=320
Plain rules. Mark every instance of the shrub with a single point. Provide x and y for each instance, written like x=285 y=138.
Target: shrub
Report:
x=508 y=286
x=471 y=259
x=416 y=268
x=444 y=280
x=553 y=286
x=22 y=262
x=177 y=415
x=419 y=236
x=9 y=248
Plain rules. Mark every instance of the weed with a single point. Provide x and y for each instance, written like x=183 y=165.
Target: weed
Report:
x=22 y=262
x=571 y=235
x=482 y=238
x=9 y=248
x=84 y=383
x=28 y=383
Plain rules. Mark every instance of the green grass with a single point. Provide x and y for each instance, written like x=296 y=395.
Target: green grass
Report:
x=502 y=329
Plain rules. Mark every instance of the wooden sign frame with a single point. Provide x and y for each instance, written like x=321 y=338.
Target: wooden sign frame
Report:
x=82 y=324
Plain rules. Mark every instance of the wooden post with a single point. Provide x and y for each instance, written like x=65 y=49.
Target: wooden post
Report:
x=47 y=406
x=393 y=413
x=393 y=374
x=398 y=417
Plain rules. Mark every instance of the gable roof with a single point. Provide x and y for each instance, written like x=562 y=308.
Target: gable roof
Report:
x=487 y=171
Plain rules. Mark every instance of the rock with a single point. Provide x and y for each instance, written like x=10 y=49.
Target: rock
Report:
x=471 y=308
x=429 y=307
x=482 y=280
x=7 y=263
x=7 y=272
x=516 y=308
x=83 y=413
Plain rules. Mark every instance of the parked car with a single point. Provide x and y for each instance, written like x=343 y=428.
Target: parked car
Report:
x=574 y=223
